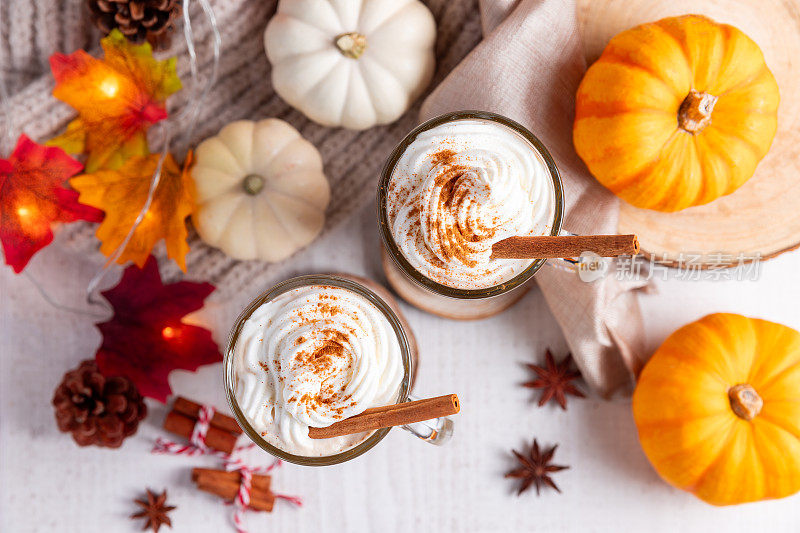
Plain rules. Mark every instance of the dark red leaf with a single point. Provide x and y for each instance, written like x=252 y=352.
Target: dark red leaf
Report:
x=146 y=339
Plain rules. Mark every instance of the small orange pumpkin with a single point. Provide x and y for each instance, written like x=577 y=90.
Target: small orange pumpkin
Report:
x=718 y=409
x=676 y=113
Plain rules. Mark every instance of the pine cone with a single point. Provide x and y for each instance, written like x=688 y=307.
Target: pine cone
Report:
x=138 y=20
x=95 y=409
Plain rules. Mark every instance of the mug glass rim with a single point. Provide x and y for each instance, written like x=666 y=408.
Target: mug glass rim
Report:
x=285 y=286
x=383 y=219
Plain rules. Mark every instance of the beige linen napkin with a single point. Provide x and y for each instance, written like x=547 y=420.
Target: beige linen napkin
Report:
x=528 y=68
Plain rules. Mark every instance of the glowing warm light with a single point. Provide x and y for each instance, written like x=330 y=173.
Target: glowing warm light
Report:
x=31 y=219
x=169 y=333
x=109 y=87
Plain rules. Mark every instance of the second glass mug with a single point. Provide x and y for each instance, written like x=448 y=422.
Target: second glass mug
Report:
x=442 y=300
x=435 y=431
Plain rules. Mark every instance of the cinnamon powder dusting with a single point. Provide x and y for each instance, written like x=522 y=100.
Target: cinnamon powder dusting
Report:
x=327 y=358
x=446 y=225
x=442 y=157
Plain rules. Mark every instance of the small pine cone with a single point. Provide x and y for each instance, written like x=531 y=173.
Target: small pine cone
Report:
x=138 y=20
x=95 y=409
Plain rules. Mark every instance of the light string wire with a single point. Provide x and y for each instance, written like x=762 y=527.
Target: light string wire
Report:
x=165 y=128
x=11 y=136
x=217 y=46
x=190 y=112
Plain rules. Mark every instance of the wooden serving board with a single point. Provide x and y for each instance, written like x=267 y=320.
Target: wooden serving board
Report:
x=763 y=216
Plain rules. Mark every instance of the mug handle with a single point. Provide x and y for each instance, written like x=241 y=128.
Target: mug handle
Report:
x=435 y=431
x=582 y=266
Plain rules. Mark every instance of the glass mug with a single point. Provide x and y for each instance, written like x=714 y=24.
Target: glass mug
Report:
x=436 y=431
x=434 y=297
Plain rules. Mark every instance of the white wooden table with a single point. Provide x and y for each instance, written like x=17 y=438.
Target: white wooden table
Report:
x=48 y=484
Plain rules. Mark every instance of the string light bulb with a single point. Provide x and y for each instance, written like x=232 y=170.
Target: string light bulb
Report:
x=109 y=87
x=169 y=333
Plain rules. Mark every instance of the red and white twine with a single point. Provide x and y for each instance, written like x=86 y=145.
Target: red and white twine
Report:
x=197 y=440
x=197 y=446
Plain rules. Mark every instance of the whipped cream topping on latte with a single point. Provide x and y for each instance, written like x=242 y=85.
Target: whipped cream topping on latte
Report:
x=460 y=187
x=311 y=357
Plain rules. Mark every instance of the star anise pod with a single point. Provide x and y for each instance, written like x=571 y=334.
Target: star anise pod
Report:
x=555 y=380
x=155 y=510
x=535 y=469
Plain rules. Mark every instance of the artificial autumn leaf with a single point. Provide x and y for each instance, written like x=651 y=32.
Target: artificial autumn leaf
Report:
x=117 y=99
x=145 y=339
x=122 y=194
x=33 y=195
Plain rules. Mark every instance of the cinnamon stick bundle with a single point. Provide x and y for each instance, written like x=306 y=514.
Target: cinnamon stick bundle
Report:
x=548 y=246
x=222 y=433
x=226 y=485
x=390 y=415
x=192 y=410
x=211 y=475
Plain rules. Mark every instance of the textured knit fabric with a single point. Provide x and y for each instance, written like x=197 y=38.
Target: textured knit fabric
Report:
x=352 y=160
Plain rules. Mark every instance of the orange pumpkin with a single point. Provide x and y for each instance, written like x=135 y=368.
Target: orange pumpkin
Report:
x=718 y=409
x=676 y=113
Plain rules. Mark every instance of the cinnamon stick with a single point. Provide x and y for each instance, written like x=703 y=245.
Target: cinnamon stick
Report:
x=192 y=410
x=546 y=246
x=226 y=485
x=211 y=476
x=260 y=501
x=215 y=438
x=390 y=415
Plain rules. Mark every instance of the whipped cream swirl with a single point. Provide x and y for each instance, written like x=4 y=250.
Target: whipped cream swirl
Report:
x=311 y=357
x=460 y=187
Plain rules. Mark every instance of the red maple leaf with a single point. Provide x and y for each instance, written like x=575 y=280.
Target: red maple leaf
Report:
x=34 y=195
x=146 y=339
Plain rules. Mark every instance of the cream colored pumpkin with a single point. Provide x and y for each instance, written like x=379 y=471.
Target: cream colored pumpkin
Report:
x=259 y=190
x=353 y=63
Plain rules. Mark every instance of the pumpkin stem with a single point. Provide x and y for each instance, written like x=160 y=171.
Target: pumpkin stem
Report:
x=252 y=184
x=694 y=114
x=351 y=44
x=745 y=401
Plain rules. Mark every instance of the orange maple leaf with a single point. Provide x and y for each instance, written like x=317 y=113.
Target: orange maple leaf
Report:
x=117 y=99
x=122 y=193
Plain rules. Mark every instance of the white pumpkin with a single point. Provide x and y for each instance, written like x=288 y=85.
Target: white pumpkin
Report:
x=351 y=63
x=259 y=190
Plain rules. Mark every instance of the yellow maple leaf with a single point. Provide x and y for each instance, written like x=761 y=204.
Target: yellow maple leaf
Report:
x=122 y=193
x=117 y=99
